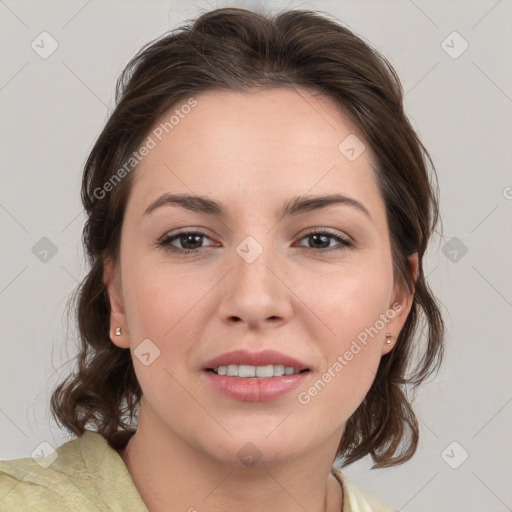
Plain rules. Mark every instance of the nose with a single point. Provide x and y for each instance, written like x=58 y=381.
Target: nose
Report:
x=256 y=292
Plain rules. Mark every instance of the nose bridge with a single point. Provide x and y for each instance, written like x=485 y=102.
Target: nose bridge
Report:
x=255 y=293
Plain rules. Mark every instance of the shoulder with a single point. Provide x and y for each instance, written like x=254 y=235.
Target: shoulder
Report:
x=83 y=474
x=357 y=500
x=34 y=481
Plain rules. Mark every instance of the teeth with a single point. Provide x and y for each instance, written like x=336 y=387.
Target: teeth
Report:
x=264 y=371
x=279 y=370
x=232 y=370
x=247 y=371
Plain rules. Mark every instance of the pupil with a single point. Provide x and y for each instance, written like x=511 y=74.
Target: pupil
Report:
x=322 y=242
x=187 y=238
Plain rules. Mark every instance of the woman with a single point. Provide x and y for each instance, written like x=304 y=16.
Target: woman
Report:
x=258 y=212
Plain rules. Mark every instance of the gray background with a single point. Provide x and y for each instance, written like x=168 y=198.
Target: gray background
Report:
x=53 y=108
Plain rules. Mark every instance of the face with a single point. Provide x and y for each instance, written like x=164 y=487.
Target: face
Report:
x=314 y=284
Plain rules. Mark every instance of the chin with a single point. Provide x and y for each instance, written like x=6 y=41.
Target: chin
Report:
x=256 y=453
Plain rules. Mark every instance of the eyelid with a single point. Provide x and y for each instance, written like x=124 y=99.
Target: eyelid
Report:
x=329 y=231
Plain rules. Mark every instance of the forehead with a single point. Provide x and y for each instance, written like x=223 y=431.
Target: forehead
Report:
x=254 y=146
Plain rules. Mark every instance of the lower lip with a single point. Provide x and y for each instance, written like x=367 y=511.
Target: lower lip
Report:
x=255 y=389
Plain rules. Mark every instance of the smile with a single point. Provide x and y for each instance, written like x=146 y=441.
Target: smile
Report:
x=248 y=371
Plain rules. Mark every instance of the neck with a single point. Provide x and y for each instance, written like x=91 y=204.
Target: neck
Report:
x=172 y=476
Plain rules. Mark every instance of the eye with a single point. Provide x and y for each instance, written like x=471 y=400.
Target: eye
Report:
x=190 y=242
x=321 y=240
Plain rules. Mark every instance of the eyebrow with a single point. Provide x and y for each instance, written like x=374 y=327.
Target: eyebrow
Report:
x=296 y=206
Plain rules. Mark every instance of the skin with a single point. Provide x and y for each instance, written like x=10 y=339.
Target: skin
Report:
x=253 y=152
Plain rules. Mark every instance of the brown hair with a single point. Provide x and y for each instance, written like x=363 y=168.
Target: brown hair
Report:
x=236 y=50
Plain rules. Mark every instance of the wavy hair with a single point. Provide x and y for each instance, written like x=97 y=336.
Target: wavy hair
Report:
x=234 y=49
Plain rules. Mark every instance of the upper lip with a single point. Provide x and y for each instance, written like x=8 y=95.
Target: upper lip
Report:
x=263 y=358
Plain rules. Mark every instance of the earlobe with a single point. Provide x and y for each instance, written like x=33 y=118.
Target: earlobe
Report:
x=388 y=344
x=401 y=305
x=118 y=331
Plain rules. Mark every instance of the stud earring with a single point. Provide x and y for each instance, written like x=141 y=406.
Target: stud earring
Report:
x=117 y=331
x=388 y=338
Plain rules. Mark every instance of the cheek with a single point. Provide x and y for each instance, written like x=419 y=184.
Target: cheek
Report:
x=159 y=299
x=351 y=299
x=160 y=308
x=168 y=307
x=354 y=305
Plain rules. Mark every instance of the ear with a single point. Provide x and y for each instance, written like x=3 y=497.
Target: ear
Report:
x=401 y=304
x=117 y=314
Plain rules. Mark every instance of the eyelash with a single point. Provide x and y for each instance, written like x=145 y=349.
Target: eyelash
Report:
x=165 y=243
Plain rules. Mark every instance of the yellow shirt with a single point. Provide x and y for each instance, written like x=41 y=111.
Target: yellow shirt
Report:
x=87 y=475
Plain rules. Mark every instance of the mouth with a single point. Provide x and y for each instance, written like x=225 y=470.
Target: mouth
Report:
x=251 y=388
x=255 y=376
x=256 y=372
x=255 y=365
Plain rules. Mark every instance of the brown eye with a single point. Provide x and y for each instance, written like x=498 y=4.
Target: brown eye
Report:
x=321 y=240
x=190 y=242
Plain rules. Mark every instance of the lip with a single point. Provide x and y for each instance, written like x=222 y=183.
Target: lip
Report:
x=263 y=358
x=255 y=389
